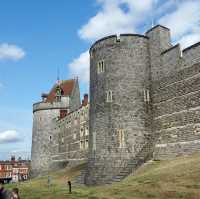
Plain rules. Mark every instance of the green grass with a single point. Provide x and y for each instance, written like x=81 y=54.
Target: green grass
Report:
x=172 y=179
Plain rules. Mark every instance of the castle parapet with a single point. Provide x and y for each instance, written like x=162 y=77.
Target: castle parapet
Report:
x=114 y=40
x=48 y=106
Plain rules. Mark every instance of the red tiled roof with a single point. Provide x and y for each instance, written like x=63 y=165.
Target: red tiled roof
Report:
x=66 y=87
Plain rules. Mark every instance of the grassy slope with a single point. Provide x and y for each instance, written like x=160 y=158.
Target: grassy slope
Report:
x=174 y=179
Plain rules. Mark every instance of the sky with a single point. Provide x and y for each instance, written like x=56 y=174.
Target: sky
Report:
x=39 y=37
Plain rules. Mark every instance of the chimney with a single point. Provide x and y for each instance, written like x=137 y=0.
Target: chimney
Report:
x=12 y=159
x=63 y=113
x=44 y=97
x=85 y=100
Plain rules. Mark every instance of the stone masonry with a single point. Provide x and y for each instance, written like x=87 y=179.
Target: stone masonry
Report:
x=144 y=104
x=155 y=103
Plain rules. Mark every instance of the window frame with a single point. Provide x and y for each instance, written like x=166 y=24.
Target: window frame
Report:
x=109 y=96
x=100 y=67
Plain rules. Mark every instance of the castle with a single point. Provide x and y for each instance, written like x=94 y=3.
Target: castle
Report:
x=144 y=104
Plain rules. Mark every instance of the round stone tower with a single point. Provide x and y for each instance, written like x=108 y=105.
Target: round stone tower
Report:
x=63 y=97
x=119 y=103
x=42 y=136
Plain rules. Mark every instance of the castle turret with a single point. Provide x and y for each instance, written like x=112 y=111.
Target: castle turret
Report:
x=119 y=97
x=159 y=41
x=60 y=98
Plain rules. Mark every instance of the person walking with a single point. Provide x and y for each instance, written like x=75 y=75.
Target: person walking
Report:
x=3 y=193
x=49 y=180
x=15 y=193
x=69 y=184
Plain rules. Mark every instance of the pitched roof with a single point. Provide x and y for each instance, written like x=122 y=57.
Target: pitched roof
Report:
x=66 y=87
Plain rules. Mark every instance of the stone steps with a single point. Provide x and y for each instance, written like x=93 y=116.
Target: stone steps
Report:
x=133 y=164
x=79 y=180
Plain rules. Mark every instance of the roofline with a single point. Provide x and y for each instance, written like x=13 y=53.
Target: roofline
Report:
x=102 y=39
x=60 y=120
x=61 y=84
x=156 y=27
x=192 y=46
x=165 y=51
x=49 y=108
x=115 y=36
x=76 y=82
x=136 y=35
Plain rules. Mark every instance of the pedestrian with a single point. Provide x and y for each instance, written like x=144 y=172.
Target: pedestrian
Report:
x=15 y=193
x=1 y=187
x=69 y=184
x=3 y=192
x=49 y=181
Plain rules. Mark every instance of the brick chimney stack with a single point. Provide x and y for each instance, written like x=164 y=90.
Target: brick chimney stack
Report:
x=85 y=100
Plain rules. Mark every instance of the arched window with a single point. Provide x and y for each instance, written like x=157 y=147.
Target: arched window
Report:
x=121 y=138
x=100 y=67
x=86 y=144
x=109 y=96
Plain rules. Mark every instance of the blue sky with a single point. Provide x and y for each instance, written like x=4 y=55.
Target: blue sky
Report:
x=37 y=37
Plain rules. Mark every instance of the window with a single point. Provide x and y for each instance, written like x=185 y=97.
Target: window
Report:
x=146 y=95
x=86 y=144
x=50 y=138
x=121 y=138
x=62 y=140
x=87 y=131
x=109 y=96
x=94 y=141
x=74 y=136
x=81 y=144
x=100 y=67
x=81 y=132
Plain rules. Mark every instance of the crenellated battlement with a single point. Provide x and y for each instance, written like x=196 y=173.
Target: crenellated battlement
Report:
x=49 y=106
x=116 y=40
x=191 y=54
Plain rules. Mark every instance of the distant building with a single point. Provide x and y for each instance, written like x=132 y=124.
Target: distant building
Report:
x=14 y=170
x=5 y=171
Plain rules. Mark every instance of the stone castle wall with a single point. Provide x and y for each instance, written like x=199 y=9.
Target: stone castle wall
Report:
x=144 y=102
x=155 y=102
x=176 y=106
x=70 y=146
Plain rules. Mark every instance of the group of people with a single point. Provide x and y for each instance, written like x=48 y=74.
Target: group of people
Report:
x=14 y=194
x=5 y=194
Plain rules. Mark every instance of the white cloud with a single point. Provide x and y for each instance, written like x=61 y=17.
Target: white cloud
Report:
x=116 y=16
x=189 y=39
x=11 y=52
x=80 y=67
x=183 y=20
x=9 y=136
x=128 y=16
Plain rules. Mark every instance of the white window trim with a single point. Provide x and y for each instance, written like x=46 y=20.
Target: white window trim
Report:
x=100 y=66
x=94 y=141
x=146 y=95
x=86 y=131
x=121 y=138
x=109 y=96
x=81 y=144
x=86 y=144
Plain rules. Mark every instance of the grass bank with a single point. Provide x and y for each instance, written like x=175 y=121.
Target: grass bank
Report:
x=171 y=179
